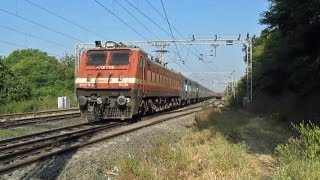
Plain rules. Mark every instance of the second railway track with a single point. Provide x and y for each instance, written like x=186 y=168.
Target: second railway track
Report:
x=20 y=151
x=4 y=124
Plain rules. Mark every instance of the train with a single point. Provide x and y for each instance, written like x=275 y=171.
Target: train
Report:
x=118 y=81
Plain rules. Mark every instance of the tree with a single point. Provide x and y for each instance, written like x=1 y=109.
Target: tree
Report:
x=38 y=75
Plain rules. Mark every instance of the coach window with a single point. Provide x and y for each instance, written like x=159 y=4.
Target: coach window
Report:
x=141 y=61
x=153 y=76
x=149 y=75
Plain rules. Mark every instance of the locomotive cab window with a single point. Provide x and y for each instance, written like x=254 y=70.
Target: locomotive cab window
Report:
x=96 y=58
x=119 y=58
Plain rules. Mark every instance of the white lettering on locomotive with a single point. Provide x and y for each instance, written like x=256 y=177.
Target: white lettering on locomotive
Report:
x=105 y=67
x=86 y=85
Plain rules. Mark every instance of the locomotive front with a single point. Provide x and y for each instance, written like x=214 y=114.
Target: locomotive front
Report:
x=106 y=83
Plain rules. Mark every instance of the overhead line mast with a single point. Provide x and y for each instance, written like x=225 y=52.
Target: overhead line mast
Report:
x=212 y=42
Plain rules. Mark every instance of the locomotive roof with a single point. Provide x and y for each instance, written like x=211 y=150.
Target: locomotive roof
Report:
x=117 y=48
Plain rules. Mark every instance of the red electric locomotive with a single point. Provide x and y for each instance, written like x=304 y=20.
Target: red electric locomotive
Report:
x=116 y=81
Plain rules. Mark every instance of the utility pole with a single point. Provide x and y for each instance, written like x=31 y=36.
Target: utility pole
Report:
x=233 y=84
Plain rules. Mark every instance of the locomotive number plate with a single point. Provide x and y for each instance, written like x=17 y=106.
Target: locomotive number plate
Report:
x=105 y=67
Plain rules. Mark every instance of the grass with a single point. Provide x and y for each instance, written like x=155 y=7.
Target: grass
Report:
x=232 y=144
x=33 y=105
x=199 y=155
x=204 y=153
x=299 y=158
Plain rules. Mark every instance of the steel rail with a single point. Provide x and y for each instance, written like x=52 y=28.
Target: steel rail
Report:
x=73 y=142
x=22 y=150
x=37 y=120
x=18 y=115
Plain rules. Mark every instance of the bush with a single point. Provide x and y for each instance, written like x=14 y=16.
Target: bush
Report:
x=42 y=104
x=300 y=157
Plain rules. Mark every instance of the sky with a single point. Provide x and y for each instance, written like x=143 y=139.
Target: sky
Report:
x=29 y=26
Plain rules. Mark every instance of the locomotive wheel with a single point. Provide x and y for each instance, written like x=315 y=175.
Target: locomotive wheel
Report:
x=92 y=119
x=135 y=118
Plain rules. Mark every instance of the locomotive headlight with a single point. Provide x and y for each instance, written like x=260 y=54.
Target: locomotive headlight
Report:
x=99 y=100
x=121 y=100
x=110 y=44
x=120 y=77
x=82 y=100
x=128 y=100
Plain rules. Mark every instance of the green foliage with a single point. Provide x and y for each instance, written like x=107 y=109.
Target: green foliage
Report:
x=292 y=47
x=31 y=75
x=286 y=55
x=300 y=157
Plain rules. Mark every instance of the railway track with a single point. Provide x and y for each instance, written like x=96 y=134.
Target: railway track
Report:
x=20 y=151
x=34 y=114
x=11 y=123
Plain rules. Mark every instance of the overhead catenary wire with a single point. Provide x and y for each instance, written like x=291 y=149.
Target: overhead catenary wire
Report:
x=195 y=52
x=13 y=44
x=112 y=13
x=165 y=12
x=170 y=34
x=153 y=22
x=160 y=14
x=41 y=25
x=65 y=19
x=169 y=24
x=36 y=37
x=26 y=47
x=119 y=18
x=141 y=23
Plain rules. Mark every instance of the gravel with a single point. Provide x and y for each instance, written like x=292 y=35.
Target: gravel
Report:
x=98 y=160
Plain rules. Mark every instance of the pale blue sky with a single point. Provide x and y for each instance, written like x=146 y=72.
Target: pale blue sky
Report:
x=202 y=18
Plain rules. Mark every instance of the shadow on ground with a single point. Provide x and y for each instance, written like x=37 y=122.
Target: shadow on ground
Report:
x=261 y=134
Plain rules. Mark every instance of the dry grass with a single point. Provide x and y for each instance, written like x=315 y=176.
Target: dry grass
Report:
x=232 y=144
x=199 y=155
x=204 y=153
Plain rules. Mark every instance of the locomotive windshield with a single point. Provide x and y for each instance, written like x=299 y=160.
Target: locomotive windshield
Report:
x=119 y=58
x=96 y=58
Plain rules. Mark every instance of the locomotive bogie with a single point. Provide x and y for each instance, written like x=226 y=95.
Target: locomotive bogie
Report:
x=109 y=104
